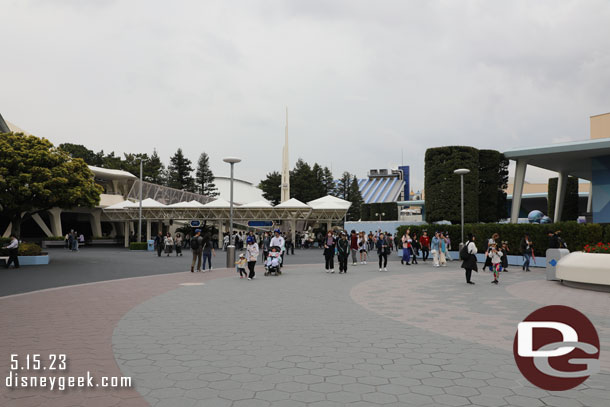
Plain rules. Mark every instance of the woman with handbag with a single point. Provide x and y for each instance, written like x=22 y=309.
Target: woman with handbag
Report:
x=329 y=252
x=169 y=244
x=469 y=256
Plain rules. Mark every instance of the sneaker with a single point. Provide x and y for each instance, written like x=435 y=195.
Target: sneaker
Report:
x=332 y=271
x=241 y=277
x=385 y=269
x=469 y=282
x=354 y=264
x=379 y=269
x=249 y=279
x=365 y=262
x=328 y=271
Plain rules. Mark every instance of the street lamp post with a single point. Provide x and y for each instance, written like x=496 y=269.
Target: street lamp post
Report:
x=231 y=247
x=140 y=206
x=461 y=172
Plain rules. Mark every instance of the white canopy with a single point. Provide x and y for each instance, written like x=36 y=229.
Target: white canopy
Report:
x=293 y=203
x=120 y=205
x=189 y=204
x=257 y=204
x=146 y=203
x=219 y=203
x=329 y=202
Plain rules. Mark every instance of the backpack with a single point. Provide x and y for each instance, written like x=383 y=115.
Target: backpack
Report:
x=464 y=255
x=195 y=243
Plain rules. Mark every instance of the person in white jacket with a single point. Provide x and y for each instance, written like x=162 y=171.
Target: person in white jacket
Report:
x=279 y=241
x=251 y=255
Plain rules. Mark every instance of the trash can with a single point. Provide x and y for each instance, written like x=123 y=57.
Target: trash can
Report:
x=151 y=246
x=552 y=258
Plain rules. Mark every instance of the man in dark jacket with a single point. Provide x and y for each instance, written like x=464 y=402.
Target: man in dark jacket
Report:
x=159 y=243
x=196 y=250
x=343 y=249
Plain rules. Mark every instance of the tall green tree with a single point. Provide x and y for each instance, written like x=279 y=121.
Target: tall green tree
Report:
x=493 y=180
x=304 y=185
x=154 y=170
x=180 y=172
x=36 y=176
x=343 y=186
x=271 y=187
x=82 y=152
x=355 y=197
x=328 y=181
x=204 y=177
x=318 y=178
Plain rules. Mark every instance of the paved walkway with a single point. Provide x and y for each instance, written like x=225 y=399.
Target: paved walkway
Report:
x=412 y=336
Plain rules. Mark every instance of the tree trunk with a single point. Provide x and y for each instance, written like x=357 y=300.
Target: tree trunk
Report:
x=16 y=225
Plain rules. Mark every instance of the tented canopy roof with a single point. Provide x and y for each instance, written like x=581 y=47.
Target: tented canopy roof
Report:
x=146 y=203
x=257 y=204
x=293 y=203
x=190 y=204
x=120 y=205
x=329 y=202
x=219 y=203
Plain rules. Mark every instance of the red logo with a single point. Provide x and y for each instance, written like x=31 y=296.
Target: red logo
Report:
x=556 y=348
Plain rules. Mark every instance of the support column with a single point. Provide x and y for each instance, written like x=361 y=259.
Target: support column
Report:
x=590 y=199
x=126 y=233
x=96 y=222
x=329 y=225
x=562 y=184
x=293 y=227
x=518 y=189
x=115 y=187
x=148 y=229
x=42 y=225
x=55 y=218
x=221 y=226
x=8 y=230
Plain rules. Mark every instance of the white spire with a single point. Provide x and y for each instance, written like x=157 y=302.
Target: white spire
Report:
x=285 y=166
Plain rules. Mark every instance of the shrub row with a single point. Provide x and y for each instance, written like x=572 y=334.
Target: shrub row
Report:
x=575 y=235
x=25 y=249
x=138 y=246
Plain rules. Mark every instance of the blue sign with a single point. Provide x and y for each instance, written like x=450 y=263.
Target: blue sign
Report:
x=260 y=223
x=195 y=223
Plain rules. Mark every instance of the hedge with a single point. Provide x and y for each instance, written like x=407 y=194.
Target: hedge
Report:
x=138 y=246
x=368 y=211
x=25 y=249
x=493 y=181
x=576 y=235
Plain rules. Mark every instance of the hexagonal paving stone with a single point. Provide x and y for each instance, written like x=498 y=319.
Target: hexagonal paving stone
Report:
x=379 y=398
x=427 y=390
x=451 y=400
x=309 y=379
x=358 y=388
x=236 y=394
x=272 y=395
x=393 y=389
x=523 y=401
x=343 y=397
x=307 y=396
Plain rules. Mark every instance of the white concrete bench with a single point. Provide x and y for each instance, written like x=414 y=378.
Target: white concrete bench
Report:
x=590 y=268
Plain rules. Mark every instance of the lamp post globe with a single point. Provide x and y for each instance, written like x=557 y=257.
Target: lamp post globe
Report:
x=231 y=246
x=461 y=171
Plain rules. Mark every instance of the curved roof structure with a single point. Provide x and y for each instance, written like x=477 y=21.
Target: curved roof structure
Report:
x=105 y=173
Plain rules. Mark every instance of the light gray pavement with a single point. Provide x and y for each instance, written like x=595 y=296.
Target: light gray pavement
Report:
x=414 y=336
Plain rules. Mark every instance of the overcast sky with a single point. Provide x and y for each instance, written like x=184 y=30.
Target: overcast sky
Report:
x=363 y=80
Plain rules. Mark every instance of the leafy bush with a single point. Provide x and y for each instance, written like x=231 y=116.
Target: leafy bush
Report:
x=598 y=248
x=576 y=235
x=138 y=246
x=29 y=249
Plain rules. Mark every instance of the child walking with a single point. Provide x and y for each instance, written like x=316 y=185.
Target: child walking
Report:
x=241 y=266
x=496 y=261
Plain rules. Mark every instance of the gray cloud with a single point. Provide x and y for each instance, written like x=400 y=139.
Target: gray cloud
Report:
x=362 y=79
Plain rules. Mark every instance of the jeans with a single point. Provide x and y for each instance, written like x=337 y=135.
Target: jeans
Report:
x=384 y=257
x=425 y=252
x=526 y=263
x=208 y=256
x=354 y=256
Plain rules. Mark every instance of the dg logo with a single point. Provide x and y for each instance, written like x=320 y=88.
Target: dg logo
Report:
x=556 y=348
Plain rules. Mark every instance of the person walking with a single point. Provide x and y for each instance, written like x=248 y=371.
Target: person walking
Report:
x=343 y=250
x=75 y=241
x=329 y=252
x=67 y=241
x=178 y=243
x=496 y=258
x=168 y=243
x=196 y=250
x=406 y=253
x=424 y=242
x=435 y=249
x=207 y=251
x=159 y=243
x=469 y=256
x=492 y=241
x=354 y=247
x=447 y=246
x=415 y=246
x=527 y=249
x=279 y=241
x=382 y=251
x=266 y=245
x=289 y=244
x=13 y=252
x=362 y=247
x=505 y=250
x=241 y=266
x=251 y=255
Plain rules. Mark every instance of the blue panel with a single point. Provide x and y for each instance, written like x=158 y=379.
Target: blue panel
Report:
x=368 y=188
x=260 y=223
x=374 y=191
x=600 y=170
x=406 y=174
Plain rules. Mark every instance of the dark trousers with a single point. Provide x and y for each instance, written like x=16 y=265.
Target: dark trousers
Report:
x=343 y=263
x=242 y=272
x=383 y=257
x=330 y=262
x=208 y=256
x=12 y=258
x=468 y=275
x=159 y=250
x=425 y=252
x=251 y=268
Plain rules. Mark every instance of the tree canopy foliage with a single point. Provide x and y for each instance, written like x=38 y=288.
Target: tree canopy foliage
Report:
x=179 y=172
x=204 y=177
x=35 y=176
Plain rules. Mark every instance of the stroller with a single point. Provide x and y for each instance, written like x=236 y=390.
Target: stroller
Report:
x=274 y=262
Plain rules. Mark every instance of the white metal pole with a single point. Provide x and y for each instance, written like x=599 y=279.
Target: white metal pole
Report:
x=140 y=206
x=462 y=188
x=231 y=242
